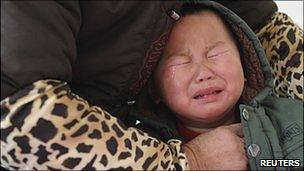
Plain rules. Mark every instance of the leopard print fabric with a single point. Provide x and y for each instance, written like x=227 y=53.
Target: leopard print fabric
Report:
x=46 y=127
x=282 y=40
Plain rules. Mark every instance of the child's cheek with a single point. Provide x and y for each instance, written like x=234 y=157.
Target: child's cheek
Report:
x=175 y=79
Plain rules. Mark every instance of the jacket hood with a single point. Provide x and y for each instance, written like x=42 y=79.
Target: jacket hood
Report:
x=255 y=66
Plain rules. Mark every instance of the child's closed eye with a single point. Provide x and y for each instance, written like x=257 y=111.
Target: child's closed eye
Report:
x=214 y=54
x=179 y=63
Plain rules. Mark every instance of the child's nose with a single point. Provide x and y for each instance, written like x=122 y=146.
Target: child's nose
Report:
x=204 y=74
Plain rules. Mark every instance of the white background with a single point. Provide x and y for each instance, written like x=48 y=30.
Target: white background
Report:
x=293 y=9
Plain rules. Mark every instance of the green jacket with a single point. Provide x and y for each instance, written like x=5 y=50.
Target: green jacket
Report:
x=273 y=127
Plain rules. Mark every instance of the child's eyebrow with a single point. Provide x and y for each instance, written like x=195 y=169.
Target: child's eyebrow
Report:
x=184 y=53
x=214 y=45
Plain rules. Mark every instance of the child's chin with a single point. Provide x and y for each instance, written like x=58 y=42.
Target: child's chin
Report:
x=212 y=118
x=211 y=114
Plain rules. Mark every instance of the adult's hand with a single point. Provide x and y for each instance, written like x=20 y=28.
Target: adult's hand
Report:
x=218 y=149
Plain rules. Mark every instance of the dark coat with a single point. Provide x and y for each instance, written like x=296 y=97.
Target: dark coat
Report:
x=105 y=50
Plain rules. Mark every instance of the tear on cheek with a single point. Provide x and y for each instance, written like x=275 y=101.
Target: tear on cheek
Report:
x=169 y=74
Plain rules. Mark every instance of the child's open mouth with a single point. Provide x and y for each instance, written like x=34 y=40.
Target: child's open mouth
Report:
x=208 y=95
x=203 y=95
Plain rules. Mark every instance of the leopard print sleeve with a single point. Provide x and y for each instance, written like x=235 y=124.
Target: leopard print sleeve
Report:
x=282 y=40
x=46 y=127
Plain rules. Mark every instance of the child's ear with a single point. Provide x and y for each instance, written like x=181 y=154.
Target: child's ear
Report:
x=153 y=92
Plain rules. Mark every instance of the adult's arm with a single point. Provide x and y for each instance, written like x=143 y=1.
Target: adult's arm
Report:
x=46 y=126
x=43 y=124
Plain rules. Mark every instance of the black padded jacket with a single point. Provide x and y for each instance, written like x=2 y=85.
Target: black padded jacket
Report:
x=105 y=50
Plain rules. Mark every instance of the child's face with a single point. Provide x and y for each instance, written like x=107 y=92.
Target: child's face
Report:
x=200 y=76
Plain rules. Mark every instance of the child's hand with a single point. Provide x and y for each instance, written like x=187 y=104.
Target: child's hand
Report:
x=218 y=149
